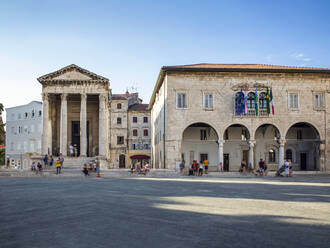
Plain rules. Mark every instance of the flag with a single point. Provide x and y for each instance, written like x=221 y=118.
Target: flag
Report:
x=239 y=103
x=256 y=101
x=267 y=101
x=245 y=103
x=272 y=100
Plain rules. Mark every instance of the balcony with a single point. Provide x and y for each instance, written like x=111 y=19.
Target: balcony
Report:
x=252 y=113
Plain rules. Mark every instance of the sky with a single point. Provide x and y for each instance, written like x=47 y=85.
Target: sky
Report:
x=129 y=41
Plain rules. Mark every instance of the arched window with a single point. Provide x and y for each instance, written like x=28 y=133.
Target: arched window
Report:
x=272 y=156
x=239 y=107
x=288 y=154
x=262 y=100
x=251 y=100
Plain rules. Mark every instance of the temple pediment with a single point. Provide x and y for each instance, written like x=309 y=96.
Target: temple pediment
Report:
x=71 y=73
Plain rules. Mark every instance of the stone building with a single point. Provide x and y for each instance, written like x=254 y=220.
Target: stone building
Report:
x=24 y=131
x=127 y=128
x=196 y=114
x=76 y=112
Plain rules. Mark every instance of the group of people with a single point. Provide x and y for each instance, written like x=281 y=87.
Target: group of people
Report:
x=140 y=169
x=92 y=167
x=285 y=169
x=195 y=169
x=48 y=161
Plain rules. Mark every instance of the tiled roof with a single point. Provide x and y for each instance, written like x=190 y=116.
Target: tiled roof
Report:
x=242 y=67
x=139 y=107
x=121 y=96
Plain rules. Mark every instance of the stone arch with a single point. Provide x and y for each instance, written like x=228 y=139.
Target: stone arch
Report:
x=199 y=142
x=267 y=123
x=188 y=124
x=310 y=123
x=235 y=124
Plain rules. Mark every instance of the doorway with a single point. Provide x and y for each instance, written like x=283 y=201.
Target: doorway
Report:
x=246 y=156
x=191 y=157
x=226 y=162
x=75 y=136
x=203 y=157
x=122 y=161
x=303 y=161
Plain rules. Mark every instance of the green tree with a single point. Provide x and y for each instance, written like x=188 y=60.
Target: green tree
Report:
x=2 y=126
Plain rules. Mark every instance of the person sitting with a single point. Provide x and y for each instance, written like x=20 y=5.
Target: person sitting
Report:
x=33 y=166
x=200 y=169
x=85 y=170
x=261 y=167
x=39 y=165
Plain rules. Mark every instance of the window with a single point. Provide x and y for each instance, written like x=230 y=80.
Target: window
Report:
x=118 y=105
x=25 y=146
x=118 y=120
x=135 y=132
x=145 y=119
x=145 y=132
x=25 y=129
x=134 y=119
x=208 y=101
x=12 y=146
x=12 y=117
x=239 y=103
x=272 y=157
x=146 y=146
x=134 y=146
x=288 y=154
x=19 y=129
x=32 y=113
x=39 y=113
x=32 y=128
x=31 y=146
x=251 y=100
x=293 y=101
x=25 y=115
x=181 y=100
x=262 y=101
x=203 y=157
x=299 y=134
x=19 y=116
x=319 y=100
x=120 y=140
x=203 y=134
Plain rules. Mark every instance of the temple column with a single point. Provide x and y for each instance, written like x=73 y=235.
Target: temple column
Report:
x=220 y=154
x=281 y=153
x=45 y=126
x=64 y=125
x=251 y=154
x=102 y=125
x=83 y=126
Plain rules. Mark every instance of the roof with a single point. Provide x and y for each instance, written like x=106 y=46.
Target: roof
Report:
x=121 y=96
x=38 y=102
x=138 y=107
x=230 y=68
x=72 y=67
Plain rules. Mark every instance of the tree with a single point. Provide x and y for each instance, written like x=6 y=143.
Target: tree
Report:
x=2 y=126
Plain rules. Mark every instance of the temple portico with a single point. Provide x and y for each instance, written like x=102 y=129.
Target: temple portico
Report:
x=75 y=113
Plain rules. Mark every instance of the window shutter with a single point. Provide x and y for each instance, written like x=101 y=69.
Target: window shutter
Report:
x=211 y=101
x=184 y=104
x=296 y=100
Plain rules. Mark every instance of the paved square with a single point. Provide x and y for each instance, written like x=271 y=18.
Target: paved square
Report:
x=165 y=212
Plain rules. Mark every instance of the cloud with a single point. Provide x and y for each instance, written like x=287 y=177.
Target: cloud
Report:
x=300 y=57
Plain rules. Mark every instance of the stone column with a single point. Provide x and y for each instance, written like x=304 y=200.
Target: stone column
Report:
x=251 y=154
x=45 y=118
x=281 y=152
x=220 y=153
x=64 y=125
x=102 y=125
x=83 y=126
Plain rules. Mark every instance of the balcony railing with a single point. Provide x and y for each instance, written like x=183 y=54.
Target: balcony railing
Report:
x=252 y=113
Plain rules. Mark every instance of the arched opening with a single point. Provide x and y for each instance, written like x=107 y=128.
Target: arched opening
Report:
x=267 y=138
x=236 y=147
x=122 y=162
x=200 y=143
x=303 y=140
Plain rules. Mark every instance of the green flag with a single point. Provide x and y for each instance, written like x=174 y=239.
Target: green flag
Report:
x=268 y=101
x=256 y=101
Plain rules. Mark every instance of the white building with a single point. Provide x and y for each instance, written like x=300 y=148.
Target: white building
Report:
x=23 y=132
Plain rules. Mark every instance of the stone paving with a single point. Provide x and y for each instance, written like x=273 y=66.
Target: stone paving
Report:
x=165 y=212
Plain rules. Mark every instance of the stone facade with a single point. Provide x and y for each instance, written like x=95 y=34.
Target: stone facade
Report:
x=76 y=112
x=299 y=128
x=123 y=108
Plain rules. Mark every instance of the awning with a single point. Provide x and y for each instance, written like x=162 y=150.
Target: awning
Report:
x=140 y=156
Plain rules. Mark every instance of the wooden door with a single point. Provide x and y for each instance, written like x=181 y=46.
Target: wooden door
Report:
x=303 y=161
x=226 y=161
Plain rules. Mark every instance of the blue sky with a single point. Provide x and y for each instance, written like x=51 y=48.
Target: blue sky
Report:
x=129 y=41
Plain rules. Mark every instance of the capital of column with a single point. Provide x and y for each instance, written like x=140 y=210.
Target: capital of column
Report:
x=45 y=96
x=64 y=96
x=252 y=143
x=221 y=142
x=83 y=96
x=102 y=97
x=282 y=142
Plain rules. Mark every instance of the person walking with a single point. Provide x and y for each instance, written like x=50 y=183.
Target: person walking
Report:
x=39 y=165
x=286 y=168
x=181 y=167
x=71 y=150
x=290 y=168
x=45 y=160
x=200 y=169
x=206 y=166
x=85 y=170
x=61 y=158
x=58 y=166
x=97 y=169
x=51 y=161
